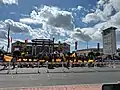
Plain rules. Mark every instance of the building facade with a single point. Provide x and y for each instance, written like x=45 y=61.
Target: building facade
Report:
x=109 y=41
x=40 y=46
x=86 y=51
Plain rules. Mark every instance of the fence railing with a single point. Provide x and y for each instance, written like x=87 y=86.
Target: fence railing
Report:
x=52 y=65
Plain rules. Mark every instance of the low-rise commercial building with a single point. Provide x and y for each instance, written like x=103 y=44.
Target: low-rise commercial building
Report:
x=38 y=46
x=86 y=51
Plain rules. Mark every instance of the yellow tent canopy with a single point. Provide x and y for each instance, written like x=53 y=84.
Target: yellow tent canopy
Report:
x=73 y=55
x=90 y=60
x=58 y=60
x=7 y=58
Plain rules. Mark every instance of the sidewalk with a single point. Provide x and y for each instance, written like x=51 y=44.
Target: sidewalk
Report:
x=66 y=87
x=61 y=70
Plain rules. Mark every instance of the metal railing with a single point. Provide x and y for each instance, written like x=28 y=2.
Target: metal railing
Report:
x=52 y=65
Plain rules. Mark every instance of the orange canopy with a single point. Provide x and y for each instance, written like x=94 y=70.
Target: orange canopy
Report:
x=7 y=58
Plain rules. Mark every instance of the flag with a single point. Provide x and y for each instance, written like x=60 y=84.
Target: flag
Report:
x=10 y=39
x=76 y=45
x=26 y=41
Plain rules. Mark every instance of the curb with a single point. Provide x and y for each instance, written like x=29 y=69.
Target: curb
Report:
x=65 y=72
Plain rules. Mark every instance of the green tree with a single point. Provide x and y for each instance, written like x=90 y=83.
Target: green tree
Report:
x=119 y=54
x=97 y=54
x=91 y=55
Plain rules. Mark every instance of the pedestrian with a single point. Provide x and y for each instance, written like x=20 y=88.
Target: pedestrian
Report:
x=13 y=61
x=3 y=59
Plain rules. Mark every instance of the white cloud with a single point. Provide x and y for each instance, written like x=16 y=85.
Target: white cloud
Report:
x=101 y=2
x=91 y=17
x=14 y=40
x=29 y=21
x=78 y=8
x=89 y=31
x=80 y=36
x=97 y=36
x=102 y=14
x=53 y=16
x=3 y=32
x=108 y=8
x=2 y=25
x=9 y=1
x=17 y=27
x=70 y=40
x=48 y=31
x=115 y=4
x=39 y=33
x=116 y=18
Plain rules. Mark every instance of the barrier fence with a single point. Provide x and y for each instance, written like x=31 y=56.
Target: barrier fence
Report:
x=59 y=63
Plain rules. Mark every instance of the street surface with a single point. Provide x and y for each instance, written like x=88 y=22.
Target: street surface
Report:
x=28 y=77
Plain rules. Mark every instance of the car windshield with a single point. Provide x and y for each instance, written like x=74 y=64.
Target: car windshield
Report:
x=49 y=44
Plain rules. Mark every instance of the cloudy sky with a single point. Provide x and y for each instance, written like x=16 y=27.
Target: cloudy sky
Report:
x=65 y=20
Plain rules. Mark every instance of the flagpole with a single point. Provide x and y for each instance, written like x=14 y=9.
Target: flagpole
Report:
x=8 y=38
x=11 y=44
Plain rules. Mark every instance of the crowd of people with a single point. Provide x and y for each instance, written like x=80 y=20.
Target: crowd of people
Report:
x=63 y=57
x=51 y=57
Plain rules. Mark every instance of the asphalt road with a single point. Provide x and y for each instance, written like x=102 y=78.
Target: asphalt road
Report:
x=48 y=79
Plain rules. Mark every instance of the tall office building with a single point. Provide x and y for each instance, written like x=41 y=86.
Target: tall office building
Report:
x=109 y=41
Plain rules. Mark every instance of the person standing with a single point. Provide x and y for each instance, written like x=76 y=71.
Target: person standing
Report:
x=13 y=61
